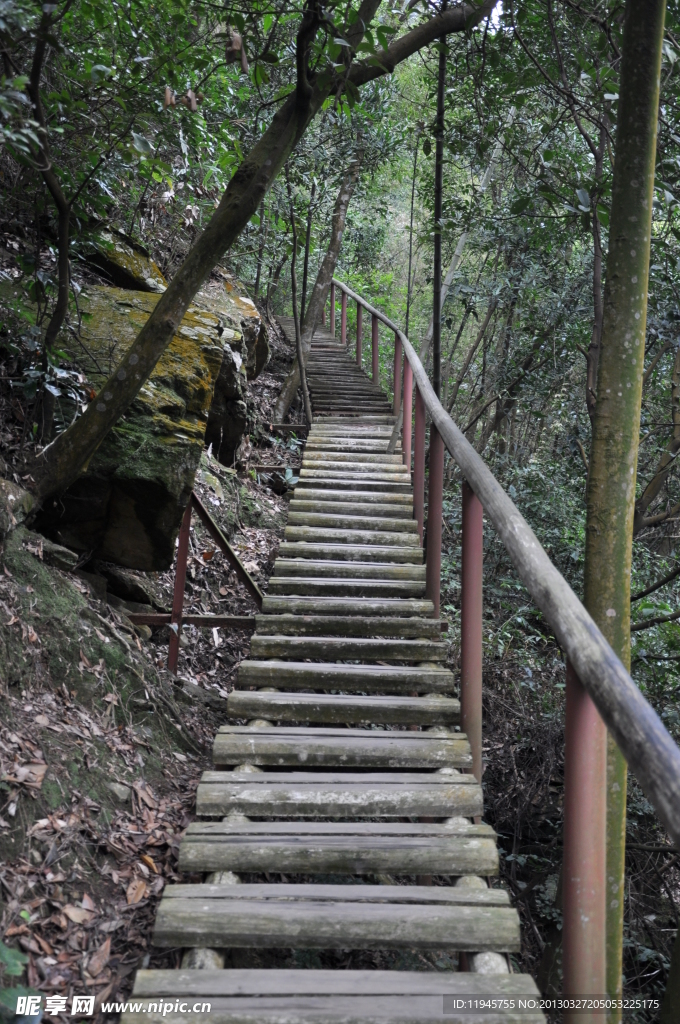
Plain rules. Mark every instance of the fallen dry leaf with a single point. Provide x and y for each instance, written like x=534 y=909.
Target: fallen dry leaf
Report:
x=144 y=792
x=136 y=891
x=149 y=861
x=41 y=720
x=78 y=914
x=100 y=959
x=87 y=902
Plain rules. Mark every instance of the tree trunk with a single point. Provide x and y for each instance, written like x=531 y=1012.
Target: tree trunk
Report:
x=667 y=460
x=260 y=252
x=64 y=460
x=321 y=286
x=308 y=241
x=296 y=311
x=493 y=302
x=438 y=207
x=616 y=420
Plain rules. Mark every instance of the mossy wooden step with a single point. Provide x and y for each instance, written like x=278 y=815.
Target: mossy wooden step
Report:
x=328 y=997
x=339 y=794
x=336 y=917
x=354 y=458
x=339 y=847
x=346 y=709
x=359 y=497
x=372 y=470
x=297 y=746
x=351 y=552
x=332 y=648
x=372 y=570
x=322 y=534
x=306 y=586
x=348 y=626
x=303 y=675
x=346 y=606
x=328 y=521
x=323 y=479
x=365 y=510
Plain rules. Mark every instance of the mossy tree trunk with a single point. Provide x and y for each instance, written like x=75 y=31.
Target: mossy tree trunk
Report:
x=67 y=457
x=616 y=419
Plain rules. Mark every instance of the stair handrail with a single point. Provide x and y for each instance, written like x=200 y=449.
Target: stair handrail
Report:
x=646 y=744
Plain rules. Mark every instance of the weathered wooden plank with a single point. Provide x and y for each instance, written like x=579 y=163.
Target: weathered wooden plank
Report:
x=319 y=466
x=314 y=457
x=330 y=648
x=352 y=508
x=329 y=521
x=351 y=855
x=363 y=678
x=326 y=535
x=360 y=588
x=247 y=827
x=294 y=894
x=309 y=795
x=348 y=626
x=347 y=606
x=305 y=492
x=351 y=552
x=352 y=748
x=328 y=480
x=356 y=570
x=308 y=924
x=312 y=707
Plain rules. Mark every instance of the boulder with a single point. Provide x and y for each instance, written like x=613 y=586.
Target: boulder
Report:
x=128 y=506
x=228 y=299
x=15 y=505
x=228 y=414
x=124 y=263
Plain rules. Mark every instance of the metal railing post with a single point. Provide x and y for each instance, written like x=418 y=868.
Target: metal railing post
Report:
x=332 y=311
x=359 y=332
x=408 y=408
x=396 y=406
x=375 y=365
x=419 y=464
x=178 y=594
x=343 y=319
x=471 y=625
x=584 y=874
x=435 y=487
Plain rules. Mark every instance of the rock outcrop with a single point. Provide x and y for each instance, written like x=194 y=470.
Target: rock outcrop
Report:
x=124 y=264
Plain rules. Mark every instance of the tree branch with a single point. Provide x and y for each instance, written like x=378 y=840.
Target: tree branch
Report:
x=656 y=586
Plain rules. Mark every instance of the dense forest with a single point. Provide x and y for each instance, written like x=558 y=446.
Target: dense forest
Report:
x=179 y=133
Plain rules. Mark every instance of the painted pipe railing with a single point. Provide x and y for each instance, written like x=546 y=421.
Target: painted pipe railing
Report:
x=596 y=679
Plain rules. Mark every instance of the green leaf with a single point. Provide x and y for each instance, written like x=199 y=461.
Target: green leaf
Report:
x=520 y=205
x=427 y=147
x=141 y=144
x=12 y=960
x=584 y=199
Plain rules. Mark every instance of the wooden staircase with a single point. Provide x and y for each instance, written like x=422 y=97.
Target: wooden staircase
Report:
x=350 y=763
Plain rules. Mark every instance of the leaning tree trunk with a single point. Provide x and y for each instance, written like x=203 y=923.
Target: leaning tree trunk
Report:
x=616 y=420
x=67 y=457
x=321 y=286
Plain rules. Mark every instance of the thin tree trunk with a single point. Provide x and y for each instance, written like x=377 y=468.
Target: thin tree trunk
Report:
x=410 y=235
x=616 y=420
x=308 y=241
x=438 y=214
x=296 y=312
x=667 y=460
x=64 y=460
x=321 y=286
x=493 y=302
x=260 y=251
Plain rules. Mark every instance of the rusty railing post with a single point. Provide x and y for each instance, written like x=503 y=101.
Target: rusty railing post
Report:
x=332 y=311
x=396 y=406
x=343 y=319
x=375 y=364
x=360 y=310
x=408 y=408
x=584 y=873
x=471 y=625
x=178 y=594
x=435 y=488
x=419 y=464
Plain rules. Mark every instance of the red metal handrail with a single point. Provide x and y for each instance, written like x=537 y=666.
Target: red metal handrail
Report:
x=598 y=684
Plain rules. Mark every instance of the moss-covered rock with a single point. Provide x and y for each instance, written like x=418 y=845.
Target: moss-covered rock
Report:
x=128 y=506
x=124 y=263
x=229 y=300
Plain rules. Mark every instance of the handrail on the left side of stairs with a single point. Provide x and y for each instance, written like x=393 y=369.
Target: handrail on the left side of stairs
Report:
x=597 y=683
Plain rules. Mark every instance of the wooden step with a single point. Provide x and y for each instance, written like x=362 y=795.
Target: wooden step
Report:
x=323 y=479
x=288 y=996
x=346 y=606
x=359 y=497
x=320 y=534
x=327 y=521
x=347 y=848
x=362 y=510
x=336 y=917
x=306 y=586
x=303 y=675
x=344 y=709
x=297 y=746
x=369 y=470
x=347 y=626
x=333 y=648
x=338 y=794
x=352 y=552
x=313 y=458
x=373 y=570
